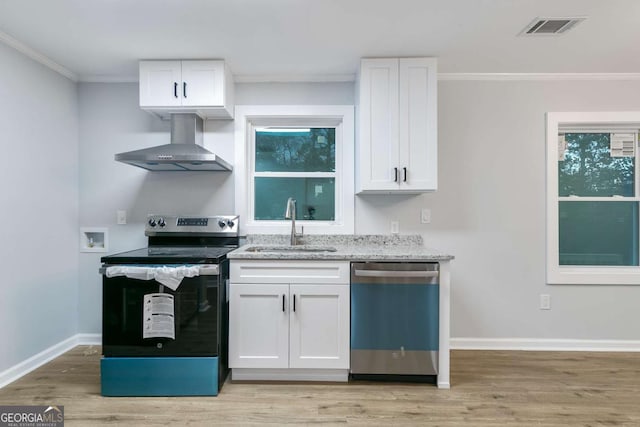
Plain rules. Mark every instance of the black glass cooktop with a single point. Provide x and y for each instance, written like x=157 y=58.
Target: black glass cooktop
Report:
x=170 y=255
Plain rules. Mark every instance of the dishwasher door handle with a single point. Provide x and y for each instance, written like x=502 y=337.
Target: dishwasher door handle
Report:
x=394 y=273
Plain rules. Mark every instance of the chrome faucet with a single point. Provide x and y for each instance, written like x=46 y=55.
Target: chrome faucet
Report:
x=290 y=213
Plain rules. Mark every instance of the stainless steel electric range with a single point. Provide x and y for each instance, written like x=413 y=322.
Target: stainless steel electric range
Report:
x=165 y=315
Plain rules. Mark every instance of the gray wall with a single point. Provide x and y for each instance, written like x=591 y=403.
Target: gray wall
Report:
x=39 y=215
x=112 y=122
x=489 y=210
x=59 y=174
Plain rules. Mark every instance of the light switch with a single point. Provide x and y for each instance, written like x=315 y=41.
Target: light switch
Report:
x=425 y=216
x=122 y=217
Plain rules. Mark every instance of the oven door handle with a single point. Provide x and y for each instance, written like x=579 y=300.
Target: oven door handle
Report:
x=204 y=269
x=209 y=270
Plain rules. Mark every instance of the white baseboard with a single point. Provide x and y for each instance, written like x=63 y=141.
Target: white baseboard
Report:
x=534 y=344
x=89 y=339
x=526 y=344
x=23 y=368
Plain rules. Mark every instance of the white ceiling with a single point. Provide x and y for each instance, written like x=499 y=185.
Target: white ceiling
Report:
x=323 y=39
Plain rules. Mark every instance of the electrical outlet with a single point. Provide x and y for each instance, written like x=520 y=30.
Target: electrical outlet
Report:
x=425 y=216
x=121 y=217
x=545 y=302
x=395 y=227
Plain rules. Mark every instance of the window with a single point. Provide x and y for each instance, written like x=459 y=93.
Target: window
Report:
x=298 y=163
x=593 y=226
x=303 y=152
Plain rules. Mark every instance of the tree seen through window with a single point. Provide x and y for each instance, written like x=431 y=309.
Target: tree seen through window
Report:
x=604 y=229
x=296 y=150
x=298 y=163
x=588 y=170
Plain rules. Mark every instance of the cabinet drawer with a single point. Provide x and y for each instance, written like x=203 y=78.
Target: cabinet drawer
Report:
x=260 y=271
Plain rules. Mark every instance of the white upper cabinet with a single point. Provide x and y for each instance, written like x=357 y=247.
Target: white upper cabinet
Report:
x=397 y=126
x=201 y=87
x=160 y=83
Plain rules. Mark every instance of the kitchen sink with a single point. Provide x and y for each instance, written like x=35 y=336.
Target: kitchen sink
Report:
x=291 y=249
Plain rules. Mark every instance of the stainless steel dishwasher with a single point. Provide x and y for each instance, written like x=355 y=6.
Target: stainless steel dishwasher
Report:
x=394 y=320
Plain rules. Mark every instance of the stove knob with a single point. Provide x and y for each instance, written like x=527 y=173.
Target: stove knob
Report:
x=230 y=223
x=221 y=224
x=152 y=222
x=161 y=222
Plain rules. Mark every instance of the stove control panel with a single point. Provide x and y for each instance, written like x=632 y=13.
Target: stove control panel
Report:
x=226 y=225
x=192 y=222
x=159 y=222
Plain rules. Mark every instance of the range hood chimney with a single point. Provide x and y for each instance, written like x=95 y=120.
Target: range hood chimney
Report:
x=185 y=152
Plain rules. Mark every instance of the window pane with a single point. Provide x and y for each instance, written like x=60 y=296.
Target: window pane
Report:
x=598 y=233
x=588 y=170
x=296 y=150
x=315 y=198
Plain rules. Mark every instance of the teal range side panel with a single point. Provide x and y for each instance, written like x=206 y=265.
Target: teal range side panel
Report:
x=159 y=376
x=391 y=316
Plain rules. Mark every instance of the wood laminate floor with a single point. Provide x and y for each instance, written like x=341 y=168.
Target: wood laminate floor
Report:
x=489 y=388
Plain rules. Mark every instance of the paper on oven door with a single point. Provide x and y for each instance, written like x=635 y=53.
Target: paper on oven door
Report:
x=158 y=316
x=171 y=277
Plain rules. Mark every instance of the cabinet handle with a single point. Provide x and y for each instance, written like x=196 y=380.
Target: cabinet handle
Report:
x=404 y=170
x=283 y=303
x=395 y=174
x=184 y=89
x=175 y=89
x=294 y=303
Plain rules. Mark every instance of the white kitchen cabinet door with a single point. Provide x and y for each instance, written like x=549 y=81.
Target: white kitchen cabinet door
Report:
x=319 y=331
x=397 y=129
x=418 y=124
x=378 y=138
x=203 y=83
x=202 y=87
x=258 y=326
x=160 y=83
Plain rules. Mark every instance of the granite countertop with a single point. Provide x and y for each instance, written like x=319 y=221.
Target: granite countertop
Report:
x=347 y=248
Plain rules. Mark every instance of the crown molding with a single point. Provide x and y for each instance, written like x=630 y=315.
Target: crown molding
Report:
x=294 y=78
x=324 y=78
x=320 y=78
x=37 y=56
x=536 y=76
x=108 y=79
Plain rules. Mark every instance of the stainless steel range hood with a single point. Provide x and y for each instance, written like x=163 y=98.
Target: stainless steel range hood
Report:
x=184 y=153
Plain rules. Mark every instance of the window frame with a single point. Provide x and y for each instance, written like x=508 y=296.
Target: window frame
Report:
x=585 y=122
x=250 y=117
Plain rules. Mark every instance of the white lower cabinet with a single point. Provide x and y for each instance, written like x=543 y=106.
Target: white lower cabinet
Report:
x=258 y=326
x=319 y=326
x=289 y=331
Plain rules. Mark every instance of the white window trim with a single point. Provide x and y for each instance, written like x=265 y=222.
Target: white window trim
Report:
x=582 y=275
x=247 y=117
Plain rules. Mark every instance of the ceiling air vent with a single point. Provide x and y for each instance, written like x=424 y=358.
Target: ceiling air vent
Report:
x=550 y=26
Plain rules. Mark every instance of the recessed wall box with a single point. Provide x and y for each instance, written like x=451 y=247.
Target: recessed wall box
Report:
x=94 y=239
